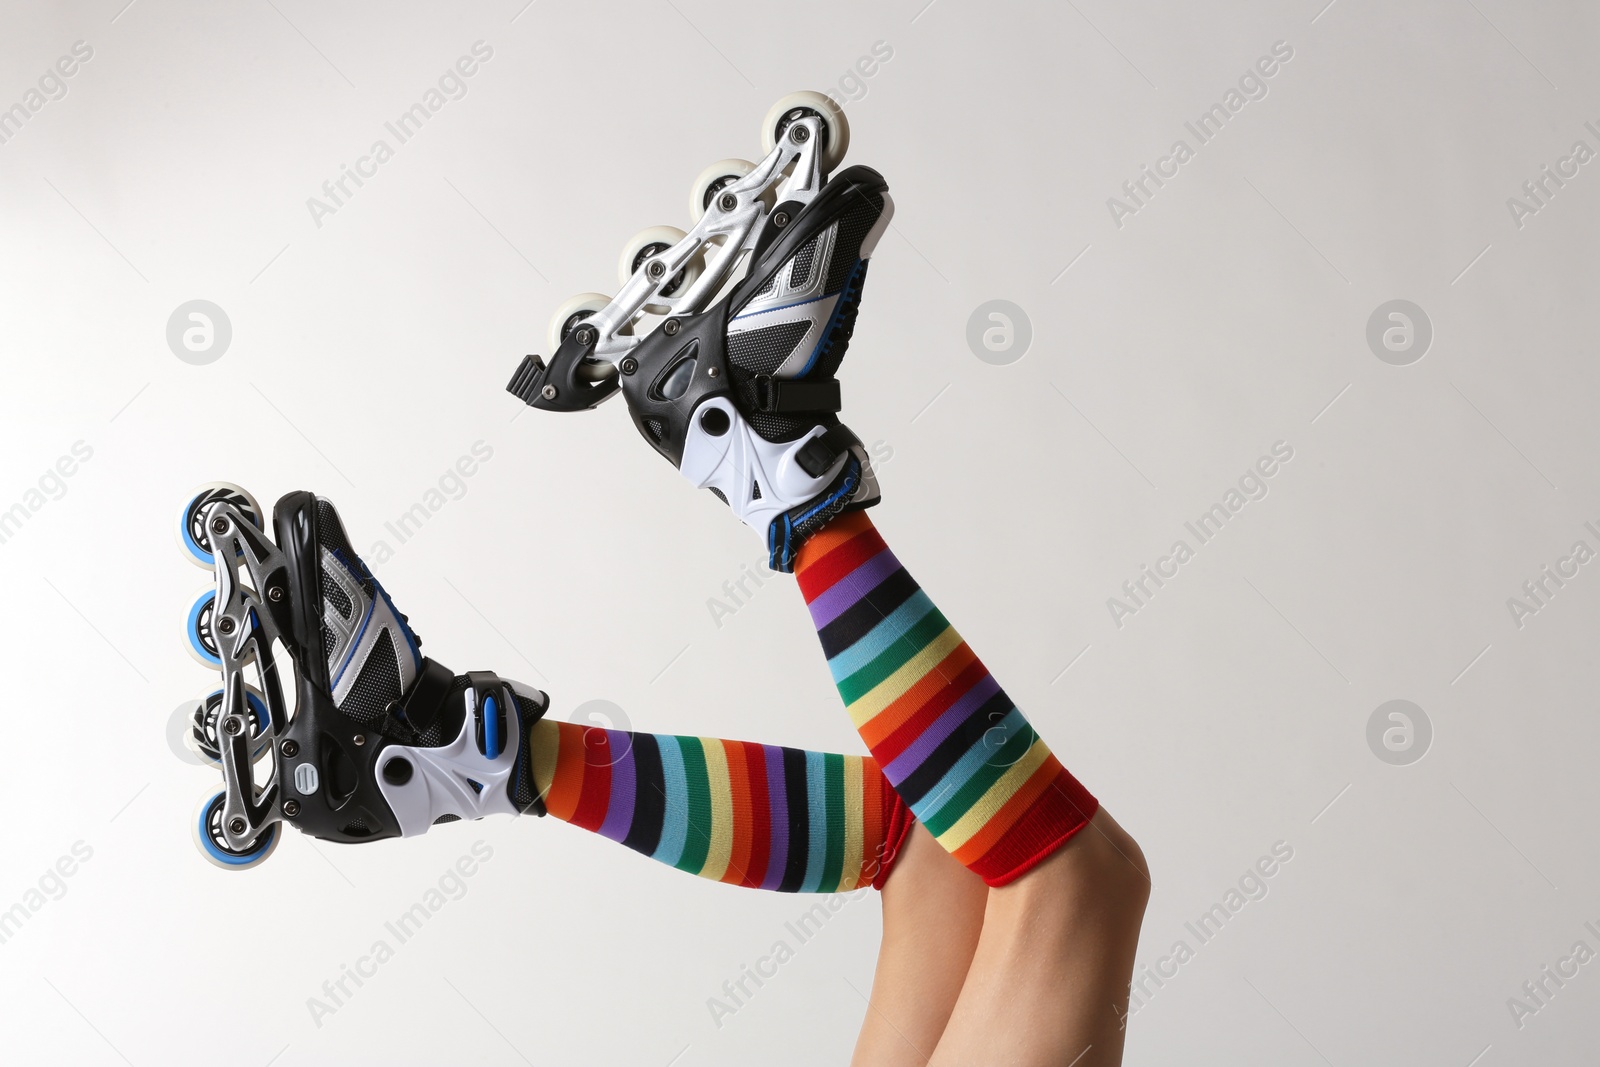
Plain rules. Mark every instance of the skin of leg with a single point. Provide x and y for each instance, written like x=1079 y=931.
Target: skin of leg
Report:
x=1049 y=981
x=932 y=915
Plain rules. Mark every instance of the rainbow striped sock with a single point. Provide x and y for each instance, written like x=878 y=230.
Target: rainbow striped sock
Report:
x=950 y=741
x=734 y=811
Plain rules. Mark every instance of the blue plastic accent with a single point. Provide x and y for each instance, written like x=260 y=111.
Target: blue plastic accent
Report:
x=845 y=489
x=405 y=630
x=190 y=545
x=355 y=645
x=193 y=629
x=852 y=280
x=491 y=729
x=263 y=716
x=256 y=853
x=257 y=705
x=783 y=559
x=785 y=307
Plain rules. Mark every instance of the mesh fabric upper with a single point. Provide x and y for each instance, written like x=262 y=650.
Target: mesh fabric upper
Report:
x=376 y=685
x=332 y=592
x=800 y=273
x=331 y=535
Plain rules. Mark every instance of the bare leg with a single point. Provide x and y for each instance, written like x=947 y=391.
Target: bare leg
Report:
x=1048 y=984
x=932 y=915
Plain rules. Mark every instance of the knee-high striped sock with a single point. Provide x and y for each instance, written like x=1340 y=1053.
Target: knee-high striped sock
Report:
x=948 y=738
x=734 y=811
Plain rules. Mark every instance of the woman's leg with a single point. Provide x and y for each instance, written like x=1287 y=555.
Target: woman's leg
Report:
x=735 y=811
x=1067 y=886
x=932 y=915
x=952 y=743
x=784 y=819
x=1048 y=984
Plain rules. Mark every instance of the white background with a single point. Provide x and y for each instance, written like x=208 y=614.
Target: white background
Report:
x=371 y=352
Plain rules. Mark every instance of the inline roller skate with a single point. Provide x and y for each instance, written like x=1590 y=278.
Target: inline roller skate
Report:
x=366 y=738
x=725 y=341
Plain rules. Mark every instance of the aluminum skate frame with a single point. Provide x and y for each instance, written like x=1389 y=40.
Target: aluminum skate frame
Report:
x=726 y=234
x=244 y=627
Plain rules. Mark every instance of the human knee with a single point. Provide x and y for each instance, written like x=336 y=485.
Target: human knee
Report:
x=1125 y=870
x=1101 y=870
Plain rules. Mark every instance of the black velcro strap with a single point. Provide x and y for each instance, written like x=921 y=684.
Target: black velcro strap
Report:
x=822 y=452
x=420 y=707
x=775 y=396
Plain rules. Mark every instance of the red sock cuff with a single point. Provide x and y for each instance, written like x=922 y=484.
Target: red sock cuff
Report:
x=897 y=824
x=834 y=551
x=1052 y=820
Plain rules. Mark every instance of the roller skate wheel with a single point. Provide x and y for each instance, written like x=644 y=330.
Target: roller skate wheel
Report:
x=799 y=106
x=653 y=241
x=201 y=641
x=712 y=180
x=193 y=537
x=571 y=312
x=202 y=738
x=206 y=829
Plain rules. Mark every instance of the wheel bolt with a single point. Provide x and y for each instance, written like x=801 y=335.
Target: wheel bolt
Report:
x=291 y=808
x=799 y=135
x=225 y=625
x=219 y=525
x=233 y=726
x=655 y=270
x=727 y=201
x=290 y=749
x=237 y=825
x=585 y=335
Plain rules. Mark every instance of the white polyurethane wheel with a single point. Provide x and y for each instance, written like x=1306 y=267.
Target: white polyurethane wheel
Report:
x=204 y=828
x=712 y=180
x=832 y=116
x=206 y=718
x=201 y=639
x=572 y=311
x=193 y=537
x=652 y=241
